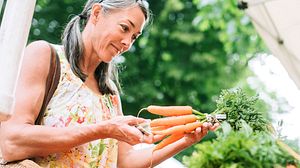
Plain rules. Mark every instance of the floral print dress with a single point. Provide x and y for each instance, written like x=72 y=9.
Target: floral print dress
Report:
x=74 y=104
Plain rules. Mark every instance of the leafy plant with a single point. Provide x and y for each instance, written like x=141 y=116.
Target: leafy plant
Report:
x=235 y=149
x=239 y=107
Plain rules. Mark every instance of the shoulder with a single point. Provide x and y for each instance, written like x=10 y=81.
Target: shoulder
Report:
x=41 y=48
x=37 y=56
x=36 y=61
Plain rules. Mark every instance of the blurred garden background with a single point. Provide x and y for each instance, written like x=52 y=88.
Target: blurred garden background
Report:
x=191 y=52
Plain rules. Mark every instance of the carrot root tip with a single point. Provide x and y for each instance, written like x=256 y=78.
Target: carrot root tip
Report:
x=141 y=111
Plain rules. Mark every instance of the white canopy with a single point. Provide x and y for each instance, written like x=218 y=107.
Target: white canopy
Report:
x=14 y=30
x=278 y=23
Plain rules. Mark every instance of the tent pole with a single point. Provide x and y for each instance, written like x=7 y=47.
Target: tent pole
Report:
x=14 y=33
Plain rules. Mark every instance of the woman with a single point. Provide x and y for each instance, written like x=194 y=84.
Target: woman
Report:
x=84 y=125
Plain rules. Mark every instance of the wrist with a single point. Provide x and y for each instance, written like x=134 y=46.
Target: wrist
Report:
x=103 y=130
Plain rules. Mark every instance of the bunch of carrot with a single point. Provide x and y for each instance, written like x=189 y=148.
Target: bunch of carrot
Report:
x=176 y=121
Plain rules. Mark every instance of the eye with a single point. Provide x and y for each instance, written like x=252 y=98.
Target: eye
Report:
x=134 y=37
x=125 y=28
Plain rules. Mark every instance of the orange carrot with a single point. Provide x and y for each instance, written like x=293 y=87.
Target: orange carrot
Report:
x=159 y=128
x=168 y=140
x=170 y=110
x=172 y=121
x=187 y=128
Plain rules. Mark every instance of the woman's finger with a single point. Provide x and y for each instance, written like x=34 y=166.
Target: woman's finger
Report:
x=131 y=120
x=205 y=128
x=147 y=139
x=198 y=130
x=215 y=127
x=157 y=138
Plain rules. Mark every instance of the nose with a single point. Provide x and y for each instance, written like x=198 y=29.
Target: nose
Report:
x=126 y=42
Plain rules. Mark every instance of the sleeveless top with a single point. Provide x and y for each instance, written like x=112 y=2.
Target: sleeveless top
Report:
x=74 y=104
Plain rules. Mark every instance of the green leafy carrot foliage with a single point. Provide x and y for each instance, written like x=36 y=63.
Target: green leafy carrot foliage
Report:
x=239 y=106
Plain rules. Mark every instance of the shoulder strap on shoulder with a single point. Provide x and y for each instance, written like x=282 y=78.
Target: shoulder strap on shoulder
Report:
x=51 y=83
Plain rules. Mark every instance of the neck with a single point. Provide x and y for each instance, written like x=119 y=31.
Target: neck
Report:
x=90 y=60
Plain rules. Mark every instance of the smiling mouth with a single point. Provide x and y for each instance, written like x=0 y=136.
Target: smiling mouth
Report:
x=118 y=50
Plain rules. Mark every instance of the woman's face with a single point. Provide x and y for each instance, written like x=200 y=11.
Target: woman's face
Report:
x=114 y=33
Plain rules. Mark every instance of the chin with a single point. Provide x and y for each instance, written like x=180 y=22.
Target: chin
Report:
x=107 y=59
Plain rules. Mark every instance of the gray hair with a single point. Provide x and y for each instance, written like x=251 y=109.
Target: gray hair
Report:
x=74 y=48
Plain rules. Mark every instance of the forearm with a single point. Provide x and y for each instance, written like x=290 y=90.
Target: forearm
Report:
x=19 y=141
x=147 y=157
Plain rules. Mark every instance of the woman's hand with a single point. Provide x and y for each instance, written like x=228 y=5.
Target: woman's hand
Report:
x=123 y=128
x=200 y=132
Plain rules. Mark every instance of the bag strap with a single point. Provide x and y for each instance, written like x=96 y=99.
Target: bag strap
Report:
x=51 y=83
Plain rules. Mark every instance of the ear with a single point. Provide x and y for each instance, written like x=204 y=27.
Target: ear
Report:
x=95 y=13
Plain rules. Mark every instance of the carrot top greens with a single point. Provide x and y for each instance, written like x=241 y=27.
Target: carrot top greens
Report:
x=238 y=106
